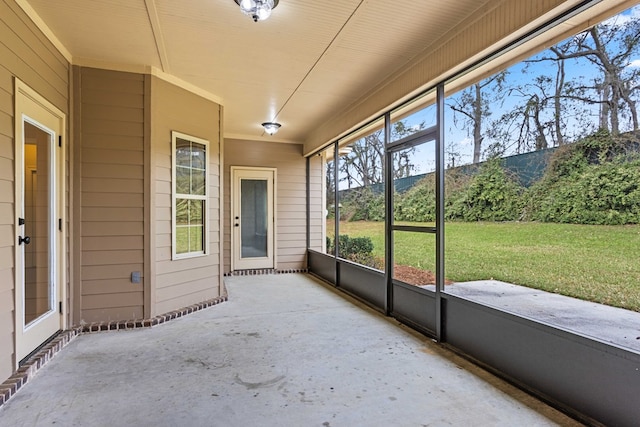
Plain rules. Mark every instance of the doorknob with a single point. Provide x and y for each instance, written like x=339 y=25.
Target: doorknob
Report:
x=26 y=240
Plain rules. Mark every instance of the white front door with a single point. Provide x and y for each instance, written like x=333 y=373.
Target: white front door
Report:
x=253 y=218
x=39 y=188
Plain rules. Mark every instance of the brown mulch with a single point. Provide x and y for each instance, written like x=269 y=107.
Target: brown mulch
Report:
x=415 y=276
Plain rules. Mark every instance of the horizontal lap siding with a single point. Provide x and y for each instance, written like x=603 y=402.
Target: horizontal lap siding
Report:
x=112 y=193
x=25 y=53
x=291 y=203
x=317 y=208
x=182 y=282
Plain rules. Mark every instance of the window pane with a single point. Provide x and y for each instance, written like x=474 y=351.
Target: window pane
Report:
x=254 y=217
x=183 y=180
x=197 y=182
x=183 y=153
x=182 y=212
x=37 y=174
x=196 y=211
x=196 y=238
x=182 y=239
x=197 y=156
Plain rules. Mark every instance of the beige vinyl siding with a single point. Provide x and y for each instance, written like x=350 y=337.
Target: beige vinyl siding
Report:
x=291 y=203
x=110 y=143
x=178 y=283
x=25 y=53
x=317 y=216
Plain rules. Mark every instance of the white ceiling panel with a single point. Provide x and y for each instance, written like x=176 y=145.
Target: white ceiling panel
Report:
x=301 y=66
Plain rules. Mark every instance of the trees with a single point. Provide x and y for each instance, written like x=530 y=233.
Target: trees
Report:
x=610 y=47
x=587 y=82
x=524 y=125
x=362 y=162
x=473 y=108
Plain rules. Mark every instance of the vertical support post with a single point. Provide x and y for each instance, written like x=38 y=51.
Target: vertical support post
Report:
x=308 y=208
x=439 y=212
x=336 y=210
x=388 y=217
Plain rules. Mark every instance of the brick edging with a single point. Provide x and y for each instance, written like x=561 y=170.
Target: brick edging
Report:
x=123 y=325
x=28 y=369
x=261 y=271
x=35 y=362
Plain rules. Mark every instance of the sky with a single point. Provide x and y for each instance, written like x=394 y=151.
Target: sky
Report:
x=458 y=140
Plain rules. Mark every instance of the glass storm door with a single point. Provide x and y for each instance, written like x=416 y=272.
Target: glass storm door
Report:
x=253 y=218
x=38 y=227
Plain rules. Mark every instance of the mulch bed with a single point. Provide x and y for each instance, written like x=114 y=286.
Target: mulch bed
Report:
x=415 y=276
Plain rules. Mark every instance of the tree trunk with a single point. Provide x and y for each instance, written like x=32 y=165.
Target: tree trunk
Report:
x=541 y=139
x=557 y=104
x=477 y=124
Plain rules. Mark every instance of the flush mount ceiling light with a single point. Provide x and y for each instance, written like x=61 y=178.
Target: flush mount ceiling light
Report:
x=271 y=127
x=259 y=10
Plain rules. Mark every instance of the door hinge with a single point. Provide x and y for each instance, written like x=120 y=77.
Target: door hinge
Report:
x=59 y=140
x=59 y=224
x=60 y=307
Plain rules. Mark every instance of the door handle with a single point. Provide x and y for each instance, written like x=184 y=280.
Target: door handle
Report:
x=26 y=240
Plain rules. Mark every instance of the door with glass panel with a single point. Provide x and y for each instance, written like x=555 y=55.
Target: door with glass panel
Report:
x=253 y=218
x=39 y=219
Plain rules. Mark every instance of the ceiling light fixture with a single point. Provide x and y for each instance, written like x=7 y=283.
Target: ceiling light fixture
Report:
x=259 y=10
x=271 y=127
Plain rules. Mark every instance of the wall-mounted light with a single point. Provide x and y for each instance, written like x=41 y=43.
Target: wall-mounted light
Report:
x=271 y=127
x=259 y=10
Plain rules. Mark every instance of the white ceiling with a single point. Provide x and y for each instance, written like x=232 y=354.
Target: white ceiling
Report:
x=301 y=67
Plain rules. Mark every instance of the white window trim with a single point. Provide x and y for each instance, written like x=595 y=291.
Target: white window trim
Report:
x=176 y=256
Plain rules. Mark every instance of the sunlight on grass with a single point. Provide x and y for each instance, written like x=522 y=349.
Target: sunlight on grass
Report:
x=591 y=262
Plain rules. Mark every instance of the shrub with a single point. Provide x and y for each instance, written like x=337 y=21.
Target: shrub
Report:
x=492 y=195
x=356 y=249
x=353 y=245
x=607 y=194
x=593 y=181
x=419 y=203
x=365 y=205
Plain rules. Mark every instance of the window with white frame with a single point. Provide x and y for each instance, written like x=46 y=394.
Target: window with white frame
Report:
x=190 y=195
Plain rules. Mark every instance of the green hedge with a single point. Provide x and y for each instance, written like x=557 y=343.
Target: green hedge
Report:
x=593 y=181
x=356 y=249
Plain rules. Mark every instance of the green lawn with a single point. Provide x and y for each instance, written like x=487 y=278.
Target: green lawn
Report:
x=591 y=262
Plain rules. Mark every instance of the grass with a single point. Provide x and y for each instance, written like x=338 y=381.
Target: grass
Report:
x=590 y=262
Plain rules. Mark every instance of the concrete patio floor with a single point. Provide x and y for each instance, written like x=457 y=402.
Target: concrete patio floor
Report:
x=283 y=351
